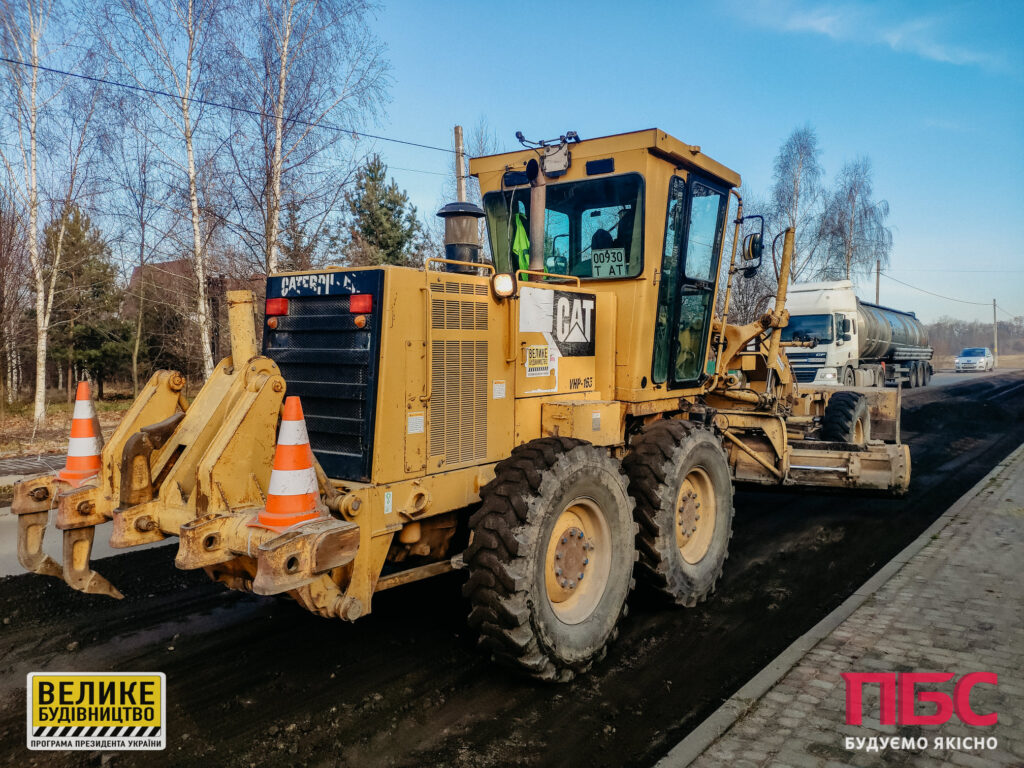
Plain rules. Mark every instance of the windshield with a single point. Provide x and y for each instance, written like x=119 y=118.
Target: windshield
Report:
x=809 y=328
x=592 y=228
x=974 y=352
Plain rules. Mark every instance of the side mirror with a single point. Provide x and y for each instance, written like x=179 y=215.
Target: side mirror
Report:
x=753 y=246
x=846 y=336
x=847 y=327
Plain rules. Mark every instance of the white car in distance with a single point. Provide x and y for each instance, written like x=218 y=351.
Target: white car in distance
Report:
x=974 y=359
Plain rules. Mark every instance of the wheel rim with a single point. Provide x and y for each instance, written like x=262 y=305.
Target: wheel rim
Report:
x=578 y=560
x=695 y=515
x=858 y=432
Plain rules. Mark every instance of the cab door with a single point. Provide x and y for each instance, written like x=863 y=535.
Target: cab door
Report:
x=690 y=259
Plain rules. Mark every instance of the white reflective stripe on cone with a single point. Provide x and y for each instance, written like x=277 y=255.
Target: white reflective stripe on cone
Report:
x=292 y=482
x=83 y=410
x=83 y=446
x=293 y=433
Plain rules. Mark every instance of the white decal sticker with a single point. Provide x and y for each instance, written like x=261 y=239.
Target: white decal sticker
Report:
x=387 y=502
x=535 y=307
x=498 y=390
x=595 y=421
x=415 y=423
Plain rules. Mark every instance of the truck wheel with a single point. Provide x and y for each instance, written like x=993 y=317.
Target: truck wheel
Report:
x=551 y=557
x=849 y=378
x=846 y=419
x=680 y=478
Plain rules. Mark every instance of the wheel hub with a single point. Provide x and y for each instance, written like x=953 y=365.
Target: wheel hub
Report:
x=695 y=515
x=571 y=558
x=688 y=515
x=577 y=561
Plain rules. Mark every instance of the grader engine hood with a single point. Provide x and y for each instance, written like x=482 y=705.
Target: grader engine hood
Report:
x=323 y=331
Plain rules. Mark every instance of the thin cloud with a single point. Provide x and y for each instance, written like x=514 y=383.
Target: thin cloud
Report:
x=920 y=36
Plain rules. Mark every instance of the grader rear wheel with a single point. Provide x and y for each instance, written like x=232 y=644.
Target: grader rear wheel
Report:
x=551 y=558
x=679 y=476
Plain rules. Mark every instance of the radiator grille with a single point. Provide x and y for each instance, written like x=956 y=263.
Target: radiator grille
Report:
x=332 y=365
x=458 y=422
x=458 y=362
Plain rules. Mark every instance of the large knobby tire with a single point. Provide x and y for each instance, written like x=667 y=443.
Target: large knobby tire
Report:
x=556 y=508
x=846 y=419
x=680 y=478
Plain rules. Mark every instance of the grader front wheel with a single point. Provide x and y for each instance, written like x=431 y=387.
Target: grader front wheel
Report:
x=847 y=419
x=551 y=559
x=679 y=476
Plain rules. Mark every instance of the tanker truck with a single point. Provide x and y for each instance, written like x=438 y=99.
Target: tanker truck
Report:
x=854 y=343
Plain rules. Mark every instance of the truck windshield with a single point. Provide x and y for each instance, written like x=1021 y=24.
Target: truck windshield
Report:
x=592 y=228
x=809 y=328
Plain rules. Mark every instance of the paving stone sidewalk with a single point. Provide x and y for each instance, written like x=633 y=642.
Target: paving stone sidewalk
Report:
x=956 y=606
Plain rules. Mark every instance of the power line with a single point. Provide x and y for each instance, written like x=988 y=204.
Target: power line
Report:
x=950 y=298
x=208 y=103
x=1000 y=271
x=416 y=170
x=938 y=295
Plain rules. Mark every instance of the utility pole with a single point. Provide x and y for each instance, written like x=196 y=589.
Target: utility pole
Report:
x=995 y=336
x=460 y=166
x=878 y=273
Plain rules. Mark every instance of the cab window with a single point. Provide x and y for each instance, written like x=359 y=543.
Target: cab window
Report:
x=593 y=229
x=686 y=289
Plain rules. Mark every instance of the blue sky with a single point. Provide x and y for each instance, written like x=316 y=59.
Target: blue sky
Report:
x=932 y=92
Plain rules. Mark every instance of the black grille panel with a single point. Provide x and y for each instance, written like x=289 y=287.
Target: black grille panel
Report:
x=805 y=375
x=331 y=364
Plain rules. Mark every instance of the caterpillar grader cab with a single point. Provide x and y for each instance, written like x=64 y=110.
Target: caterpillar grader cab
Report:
x=557 y=421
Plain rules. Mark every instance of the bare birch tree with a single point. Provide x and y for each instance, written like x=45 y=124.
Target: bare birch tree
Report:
x=14 y=295
x=170 y=46
x=135 y=180
x=48 y=106
x=309 y=67
x=855 y=223
x=797 y=199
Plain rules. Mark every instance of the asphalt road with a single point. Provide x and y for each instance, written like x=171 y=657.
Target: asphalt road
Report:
x=257 y=681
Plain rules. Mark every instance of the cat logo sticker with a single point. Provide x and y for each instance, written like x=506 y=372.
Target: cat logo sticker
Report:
x=566 y=319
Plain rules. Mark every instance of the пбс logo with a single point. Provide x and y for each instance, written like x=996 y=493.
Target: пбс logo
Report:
x=901 y=708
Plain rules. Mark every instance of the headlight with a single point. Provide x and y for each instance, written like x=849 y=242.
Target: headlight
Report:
x=830 y=375
x=504 y=285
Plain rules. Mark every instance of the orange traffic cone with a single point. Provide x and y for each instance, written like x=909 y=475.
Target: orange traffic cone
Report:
x=84 y=446
x=293 y=496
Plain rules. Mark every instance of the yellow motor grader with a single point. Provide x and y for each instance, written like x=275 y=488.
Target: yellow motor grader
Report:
x=555 y=421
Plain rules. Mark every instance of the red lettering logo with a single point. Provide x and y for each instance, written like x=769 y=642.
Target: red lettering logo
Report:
x=902 y=697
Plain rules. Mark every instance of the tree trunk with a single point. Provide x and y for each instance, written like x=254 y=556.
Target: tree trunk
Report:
x=42 y=318
x=198 y=254
x=274 y=198
x=135 y=349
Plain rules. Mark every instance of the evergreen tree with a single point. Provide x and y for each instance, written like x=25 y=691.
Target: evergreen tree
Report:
x=86 y=298
x=382 y=225
x=300 y=250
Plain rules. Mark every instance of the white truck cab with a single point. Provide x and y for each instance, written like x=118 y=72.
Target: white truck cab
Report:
x=850 y=342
